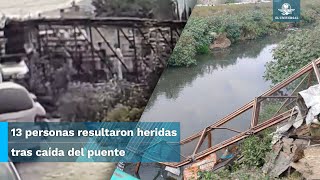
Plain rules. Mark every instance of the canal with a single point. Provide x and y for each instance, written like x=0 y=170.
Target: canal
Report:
x=200 y=95
x=220 y=83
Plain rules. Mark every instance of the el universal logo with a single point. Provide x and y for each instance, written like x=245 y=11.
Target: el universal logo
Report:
x=286 y=10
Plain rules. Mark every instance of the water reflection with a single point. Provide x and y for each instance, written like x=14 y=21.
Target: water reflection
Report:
x=219 y=84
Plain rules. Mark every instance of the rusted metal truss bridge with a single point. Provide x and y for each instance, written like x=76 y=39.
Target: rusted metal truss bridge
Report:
x=202 y=144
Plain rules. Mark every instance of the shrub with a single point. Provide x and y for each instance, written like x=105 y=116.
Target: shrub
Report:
x=239 y=22
x=241 y=174
x=233 y=30
x=221 y=174
x=254 y=150
x=123 y=114
x=297 y=50
x=185 y=51
x=199 y=30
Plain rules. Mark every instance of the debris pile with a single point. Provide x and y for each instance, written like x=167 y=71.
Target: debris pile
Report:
x=296 y=144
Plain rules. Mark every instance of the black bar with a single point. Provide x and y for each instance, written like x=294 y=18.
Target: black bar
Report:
x=177 y=32
x=91 y=43
x=163 y=36
x=75 y=39
x=135 y=51
x=146 y=39
x=171 y=39
x=39 y=40
x=118 y=36
x=126 y=36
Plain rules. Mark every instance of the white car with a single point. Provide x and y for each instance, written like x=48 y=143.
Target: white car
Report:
x=18 y=105
x=13 y=69
x=8 y=171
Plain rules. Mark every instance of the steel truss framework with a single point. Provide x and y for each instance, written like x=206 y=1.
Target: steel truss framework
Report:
x=138 y=26
x=255 y=126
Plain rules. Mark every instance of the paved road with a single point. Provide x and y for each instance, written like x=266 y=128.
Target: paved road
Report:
x=65 y=171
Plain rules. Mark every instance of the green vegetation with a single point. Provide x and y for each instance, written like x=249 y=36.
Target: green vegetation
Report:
x=296 y=51
x=202 y=30
x=184 y=55
x=238 y=22
x=253 y=151
x=112 y=101
x=268 y=110
x=123 y=114
x=244 y=174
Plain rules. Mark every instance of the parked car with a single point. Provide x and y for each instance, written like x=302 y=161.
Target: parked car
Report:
x=13 y=67
x=20 y=105
x=8 y=171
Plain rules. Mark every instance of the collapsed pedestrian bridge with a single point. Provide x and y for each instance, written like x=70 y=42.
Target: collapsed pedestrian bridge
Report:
x=284 y=95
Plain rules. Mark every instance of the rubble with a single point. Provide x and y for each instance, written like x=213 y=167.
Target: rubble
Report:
x=284 y=152
x=309 y=165
x=204 y=164
x=314 y=130
x=296 y=143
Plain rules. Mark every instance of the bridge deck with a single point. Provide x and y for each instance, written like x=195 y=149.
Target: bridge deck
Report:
x=104 y=21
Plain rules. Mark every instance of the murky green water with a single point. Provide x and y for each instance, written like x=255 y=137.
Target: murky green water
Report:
x=200 y=95
x=220 y=83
